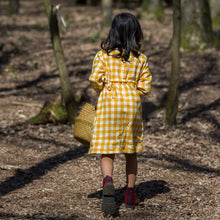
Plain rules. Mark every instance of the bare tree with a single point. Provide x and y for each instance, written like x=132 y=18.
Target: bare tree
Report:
x=13 y=7
x=196 y=25
x=93 y=2
x=215 y=12
x=173 y=93
x=107 y=11
x=154 y=7
x=67 y=94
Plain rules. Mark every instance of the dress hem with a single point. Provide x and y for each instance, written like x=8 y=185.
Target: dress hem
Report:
x=117 y=152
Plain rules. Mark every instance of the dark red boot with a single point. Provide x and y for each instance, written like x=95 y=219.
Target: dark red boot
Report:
x=131 y=199
x=108 y=197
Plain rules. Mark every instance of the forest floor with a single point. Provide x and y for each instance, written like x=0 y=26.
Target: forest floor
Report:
x=46 y=174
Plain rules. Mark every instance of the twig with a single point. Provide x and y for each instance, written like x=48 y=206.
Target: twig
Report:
x=25 y=103
x=8 y=167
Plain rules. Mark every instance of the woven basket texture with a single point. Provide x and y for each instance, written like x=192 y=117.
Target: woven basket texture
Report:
x=83 y=124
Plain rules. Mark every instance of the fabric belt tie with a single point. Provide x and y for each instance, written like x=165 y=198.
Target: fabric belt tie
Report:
x=109 y=83
x=110 y=86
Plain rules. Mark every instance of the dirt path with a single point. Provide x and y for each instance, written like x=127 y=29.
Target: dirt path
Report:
x=46 y=174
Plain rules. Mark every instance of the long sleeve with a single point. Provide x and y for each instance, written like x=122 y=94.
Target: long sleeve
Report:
x=96 y=77
x=144 y=81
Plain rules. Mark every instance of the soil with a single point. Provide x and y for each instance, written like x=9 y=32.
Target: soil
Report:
x=46 y=174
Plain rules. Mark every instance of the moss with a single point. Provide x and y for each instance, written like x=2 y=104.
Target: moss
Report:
x=189 y=32
x=193 y=38
x=144 y=5
x=157 y=12
x=216 y=42
x=216 y=21
x=52 y=113
x=59 y=113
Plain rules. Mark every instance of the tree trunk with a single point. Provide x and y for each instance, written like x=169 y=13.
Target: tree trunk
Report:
x=173 y=93
x=154 y=7
x=13 y=7
x=215 y=12
x=107 y=11
x=67 y=93
x=93 y=2
x=82 y=2
x=196 y=25
x=53 y=112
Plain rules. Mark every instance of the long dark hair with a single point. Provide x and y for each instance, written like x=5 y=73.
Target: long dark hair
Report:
x=125 y=35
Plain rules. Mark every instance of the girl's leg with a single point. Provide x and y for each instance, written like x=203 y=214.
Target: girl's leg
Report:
x=107 y=164
x=131 y=172
x=131 y=169
x=108 y=199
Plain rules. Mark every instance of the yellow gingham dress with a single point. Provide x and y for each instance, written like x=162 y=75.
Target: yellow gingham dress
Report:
x=118 y=125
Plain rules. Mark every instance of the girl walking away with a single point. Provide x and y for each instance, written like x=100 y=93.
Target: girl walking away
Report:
x=120 y=76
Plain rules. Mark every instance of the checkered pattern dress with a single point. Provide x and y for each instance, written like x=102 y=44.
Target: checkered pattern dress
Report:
x=118 y=125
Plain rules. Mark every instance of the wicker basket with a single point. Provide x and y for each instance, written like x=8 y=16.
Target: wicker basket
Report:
x=84 y=123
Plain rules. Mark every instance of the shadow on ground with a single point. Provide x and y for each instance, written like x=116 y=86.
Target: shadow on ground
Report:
x=23 y=177
x=181 y=164
x=35 y=216
x=145 y=190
